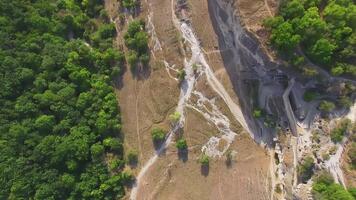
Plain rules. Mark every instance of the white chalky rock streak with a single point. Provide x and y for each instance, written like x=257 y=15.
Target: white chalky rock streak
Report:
x=221 y=122
x=189 y=36
x=151 y=30
x=169 y=68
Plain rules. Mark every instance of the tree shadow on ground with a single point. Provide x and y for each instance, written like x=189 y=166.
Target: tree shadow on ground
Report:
x=183 y=155
x=228 y=163
x=118 y=81
x=157 y=144
x=140 y=71
x=204 y=170
x=133 y=164
x=131 y=183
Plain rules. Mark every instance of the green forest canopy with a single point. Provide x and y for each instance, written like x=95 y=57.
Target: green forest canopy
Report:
x=59 y=115
x=326 y=31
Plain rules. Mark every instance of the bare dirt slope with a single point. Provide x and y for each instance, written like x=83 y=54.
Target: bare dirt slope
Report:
x=172 y=178
x=247 y=178
x=147 y=100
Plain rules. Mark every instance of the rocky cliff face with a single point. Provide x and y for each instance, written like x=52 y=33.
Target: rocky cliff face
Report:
x=257 y=81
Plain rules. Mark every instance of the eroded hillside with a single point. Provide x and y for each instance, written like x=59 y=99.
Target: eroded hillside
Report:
x=234 y=119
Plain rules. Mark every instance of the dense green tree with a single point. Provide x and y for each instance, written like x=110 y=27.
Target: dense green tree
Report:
x=96 y=150
x=322 y=51
x=57 y=102
x=293 y=9
x=136 y=39
x=324 y=31
x=310 y=26
x=285 y=38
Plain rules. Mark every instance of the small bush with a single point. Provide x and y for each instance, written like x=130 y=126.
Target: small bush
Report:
x=175 y=117
x=336 y=135
x=310 y=96
x=229 y=157
x=132 y=157
x=309 y=71
x=132 y=58
x=129 y=4
x=204 y=160
x=315 y=136
x=257 y=113
x=181 y=74
x=158 y=134
x=326 y=106
x=345 y=102
x=116 y=164
x=305 y=170
x=181 y=144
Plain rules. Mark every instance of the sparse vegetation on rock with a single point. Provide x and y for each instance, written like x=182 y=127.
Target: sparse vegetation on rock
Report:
x=310 y=96
x=305 y=169
x=326 y=106
x=352 y=154
x=338 y=132
x=181 y=75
